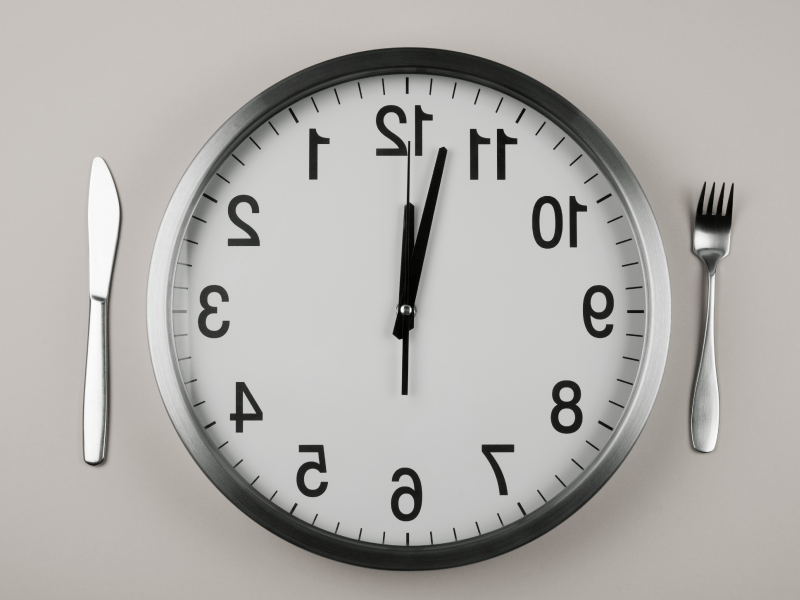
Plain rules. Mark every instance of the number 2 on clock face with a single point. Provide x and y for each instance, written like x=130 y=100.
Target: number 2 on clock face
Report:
x=529 y=324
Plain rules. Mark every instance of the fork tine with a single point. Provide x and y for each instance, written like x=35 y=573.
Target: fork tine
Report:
x=729 y=212
x=710 y=211
x=700 y=204
x=721 y=201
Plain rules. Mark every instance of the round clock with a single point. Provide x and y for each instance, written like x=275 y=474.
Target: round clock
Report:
x=408 y=309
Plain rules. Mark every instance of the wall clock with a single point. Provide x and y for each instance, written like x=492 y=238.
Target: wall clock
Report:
x=408 y=309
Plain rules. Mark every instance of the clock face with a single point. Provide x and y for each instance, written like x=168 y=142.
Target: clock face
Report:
x=528 y=326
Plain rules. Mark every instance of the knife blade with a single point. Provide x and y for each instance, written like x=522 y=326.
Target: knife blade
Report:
x=104 y=218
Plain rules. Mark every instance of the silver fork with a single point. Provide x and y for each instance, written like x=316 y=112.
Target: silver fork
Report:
x=712 y=241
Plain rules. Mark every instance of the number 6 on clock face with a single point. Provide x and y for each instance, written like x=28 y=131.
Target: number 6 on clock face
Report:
x=465 y=208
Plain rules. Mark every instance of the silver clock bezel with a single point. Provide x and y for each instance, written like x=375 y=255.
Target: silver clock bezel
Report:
x=383 y=62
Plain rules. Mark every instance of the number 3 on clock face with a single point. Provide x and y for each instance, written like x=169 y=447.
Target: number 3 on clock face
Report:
x=540 y=312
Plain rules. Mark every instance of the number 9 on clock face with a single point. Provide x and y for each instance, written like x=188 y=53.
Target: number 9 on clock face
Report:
x=528 y=265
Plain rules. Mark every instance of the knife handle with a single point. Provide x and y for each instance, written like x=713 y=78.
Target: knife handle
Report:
x=95 y=391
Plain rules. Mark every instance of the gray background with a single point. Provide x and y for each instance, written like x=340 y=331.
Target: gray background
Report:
x=687 y=91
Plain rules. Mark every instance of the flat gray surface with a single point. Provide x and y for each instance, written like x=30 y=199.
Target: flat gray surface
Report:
x=687 y=92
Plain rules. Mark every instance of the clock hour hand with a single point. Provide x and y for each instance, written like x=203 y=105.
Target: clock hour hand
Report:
x=421 y=243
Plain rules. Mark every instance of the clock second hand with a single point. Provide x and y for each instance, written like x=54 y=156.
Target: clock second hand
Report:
x=405 y=312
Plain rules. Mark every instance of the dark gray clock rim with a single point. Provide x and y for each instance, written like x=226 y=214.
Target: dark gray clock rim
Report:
x=384 y=62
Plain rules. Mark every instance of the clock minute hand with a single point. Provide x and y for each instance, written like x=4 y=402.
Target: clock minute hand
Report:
x=421 y=243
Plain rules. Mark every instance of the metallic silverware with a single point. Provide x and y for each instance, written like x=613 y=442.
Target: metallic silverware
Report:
x=104 y=218
x=712 y=241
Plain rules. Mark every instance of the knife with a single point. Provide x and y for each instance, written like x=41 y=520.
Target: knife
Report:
x=103 y=234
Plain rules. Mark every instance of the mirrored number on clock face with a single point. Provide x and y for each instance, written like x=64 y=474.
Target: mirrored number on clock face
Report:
x=309 y=466
x=252 y=239
x=211 y=310
x=420 y=116
x=476 y=140
x=487 y=450
x=570 y=405
x=536 y=221
x=239 y=417
x=414 y=491
x=589 y=313
x=314 y=141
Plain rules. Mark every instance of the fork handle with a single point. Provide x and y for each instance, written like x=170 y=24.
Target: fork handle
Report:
x=95 y=391
x=705 y=401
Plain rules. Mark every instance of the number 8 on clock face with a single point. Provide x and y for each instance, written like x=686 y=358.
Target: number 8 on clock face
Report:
x=472 y=213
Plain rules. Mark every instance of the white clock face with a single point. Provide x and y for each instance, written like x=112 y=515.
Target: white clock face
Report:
x=526 y=341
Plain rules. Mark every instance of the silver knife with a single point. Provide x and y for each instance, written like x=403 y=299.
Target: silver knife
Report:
x=103 y=235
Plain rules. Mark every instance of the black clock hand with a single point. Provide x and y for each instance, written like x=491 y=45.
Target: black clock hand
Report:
x=421 y=244
x=404 y=313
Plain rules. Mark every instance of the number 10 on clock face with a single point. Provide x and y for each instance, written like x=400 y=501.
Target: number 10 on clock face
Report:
x=529 y=310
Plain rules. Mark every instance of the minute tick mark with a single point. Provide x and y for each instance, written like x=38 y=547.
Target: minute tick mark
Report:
x=254 y=143
x=636 y=287
x=576 y=462
x=543 y=498
x=273 y=128
x=188 y=382
x=207 y=197
x=237 y=464
x=501 y=520
x=223 y=179
x=291 y=512
x=559 y=142
x=451 y=97
x=576 y=160
x=615 y=404
x=478 y=528
x=630 y=264
x=629 y=358
x=314 y=103
x=622 y=242
x=540 y=128
x=294 y=116
x=590 y=178
x=609 y=427
x=498 y=105
x=561 y=482
x=592 y=445
x=273 y=495
x=315 y=519
x=476 y=97
x=337 y=96
x=623 y=381
x=210 y=425
x=606 y=197
x=521 y=509
x=223 y=445
x=360 y=95
x=615 y=219
x=520 y=116
x=254 y=480
x=199 y=219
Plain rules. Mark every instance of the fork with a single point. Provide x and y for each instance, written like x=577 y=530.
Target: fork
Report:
x=712 y=242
